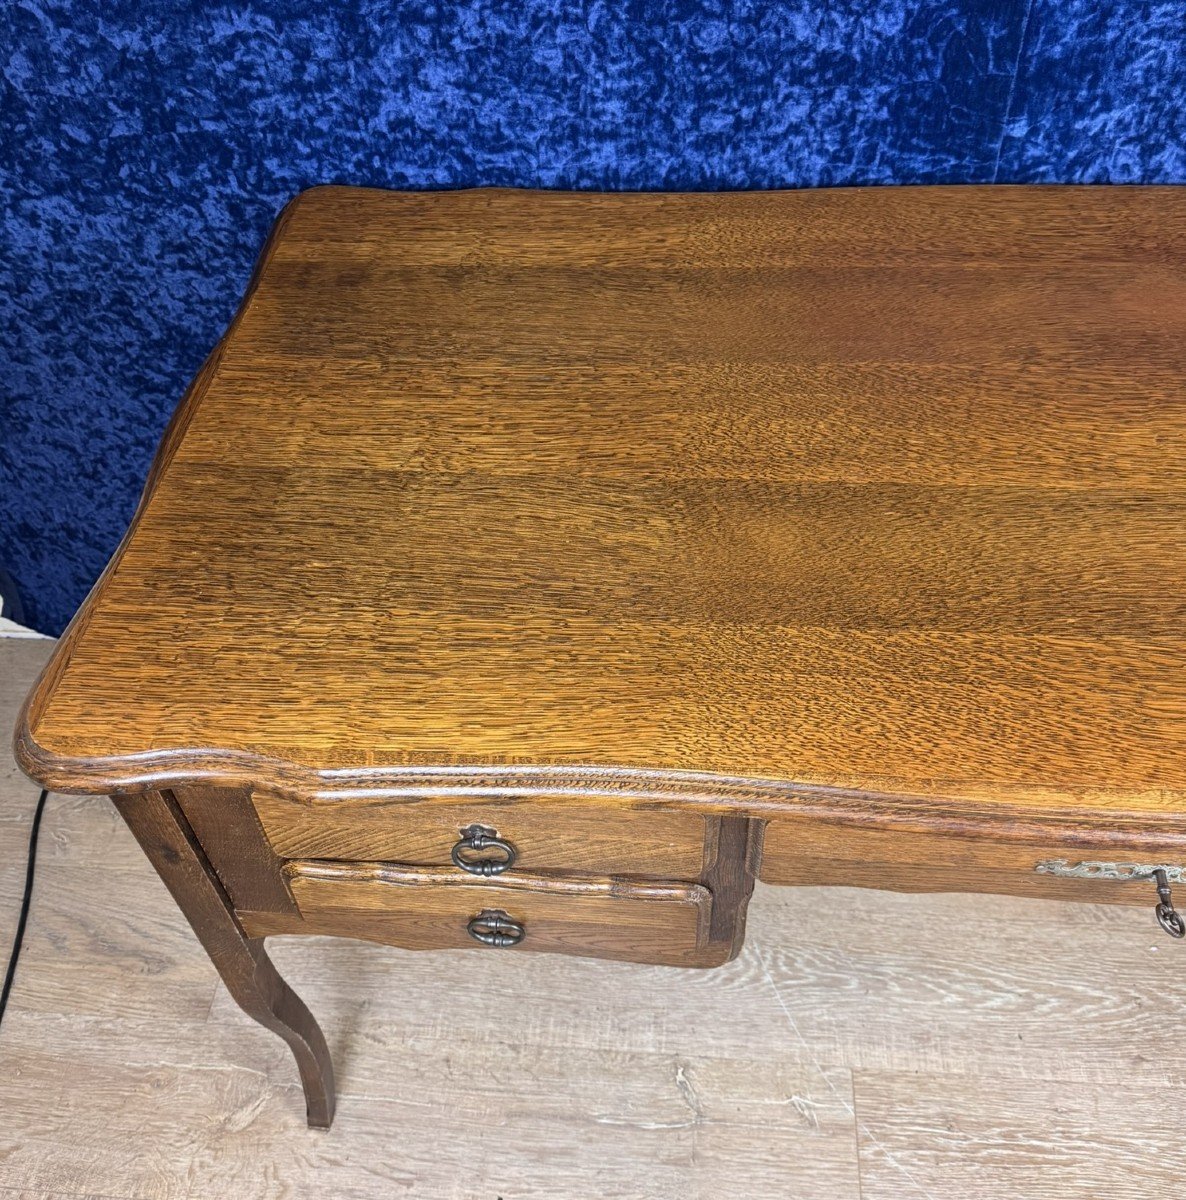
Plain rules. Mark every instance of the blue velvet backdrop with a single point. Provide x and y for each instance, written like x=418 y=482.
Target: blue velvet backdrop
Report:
x=147 y=147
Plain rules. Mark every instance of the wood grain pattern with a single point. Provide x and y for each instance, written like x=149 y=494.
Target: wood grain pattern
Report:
x=802 y=851
x=876 y=495
x=226 y=825
x=566 y=838
x=730 y=875
x=982 y=987
x=428 y=909
x=956 y=1137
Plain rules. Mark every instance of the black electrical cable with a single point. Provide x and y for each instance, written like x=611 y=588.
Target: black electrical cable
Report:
x=19 y=937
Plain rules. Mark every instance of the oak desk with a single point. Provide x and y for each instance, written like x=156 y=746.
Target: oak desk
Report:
x=534 y=571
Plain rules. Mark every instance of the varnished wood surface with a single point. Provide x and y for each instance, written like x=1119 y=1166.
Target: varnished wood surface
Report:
x=569 y=839
x=801 y=851
x=429 y=908
x=863 y=1045
x=878 y=490
x=231 y=837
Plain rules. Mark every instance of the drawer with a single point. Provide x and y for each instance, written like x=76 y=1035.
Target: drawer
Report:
x=561 y=836
x=810 y=852
x=434 y=908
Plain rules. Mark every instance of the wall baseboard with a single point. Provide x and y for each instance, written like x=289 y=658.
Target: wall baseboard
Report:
x=12 y=629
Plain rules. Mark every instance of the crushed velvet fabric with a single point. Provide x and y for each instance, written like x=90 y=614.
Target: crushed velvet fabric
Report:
x=147 y=146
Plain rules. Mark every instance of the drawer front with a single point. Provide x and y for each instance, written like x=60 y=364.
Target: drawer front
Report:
x=554 y=837
x=435 y=908
x=808 y=852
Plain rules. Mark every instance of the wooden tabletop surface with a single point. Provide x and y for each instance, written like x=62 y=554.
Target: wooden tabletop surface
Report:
x=874 y=489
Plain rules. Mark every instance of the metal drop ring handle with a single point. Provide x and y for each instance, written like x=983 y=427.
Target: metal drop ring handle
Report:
x=480 y=838
x=1167 y=916
x=493 y=927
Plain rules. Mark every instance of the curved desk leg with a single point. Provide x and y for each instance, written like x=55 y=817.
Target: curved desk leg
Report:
x=160 y=827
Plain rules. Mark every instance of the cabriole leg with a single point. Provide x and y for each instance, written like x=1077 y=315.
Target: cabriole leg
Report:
x=160 y=827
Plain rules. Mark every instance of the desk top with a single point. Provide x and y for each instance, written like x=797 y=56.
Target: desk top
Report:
x=876 y=490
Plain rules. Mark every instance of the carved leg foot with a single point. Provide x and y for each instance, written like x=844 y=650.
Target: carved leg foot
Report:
x=160 y=827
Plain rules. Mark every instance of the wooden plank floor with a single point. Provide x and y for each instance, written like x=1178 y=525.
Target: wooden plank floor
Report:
x=864 y=1045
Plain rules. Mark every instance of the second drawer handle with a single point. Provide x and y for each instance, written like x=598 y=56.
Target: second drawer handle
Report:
x=480 y=839
x=493 y=927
